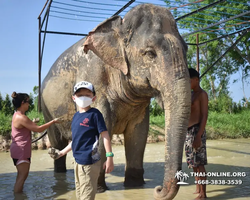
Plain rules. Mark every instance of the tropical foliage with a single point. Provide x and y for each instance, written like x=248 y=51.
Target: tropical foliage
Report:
x=237 y=60
x=226 y=118
x=219 y=125
x=7 y=111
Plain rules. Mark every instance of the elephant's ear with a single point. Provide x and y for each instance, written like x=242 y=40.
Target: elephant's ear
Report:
x=105 y=41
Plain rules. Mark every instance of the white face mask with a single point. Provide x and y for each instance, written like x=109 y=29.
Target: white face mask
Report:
x=83 y=101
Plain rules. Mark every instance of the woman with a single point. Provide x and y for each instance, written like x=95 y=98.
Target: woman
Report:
x=20 y=148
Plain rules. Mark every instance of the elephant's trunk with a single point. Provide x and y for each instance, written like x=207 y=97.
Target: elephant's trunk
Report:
x=177 y=111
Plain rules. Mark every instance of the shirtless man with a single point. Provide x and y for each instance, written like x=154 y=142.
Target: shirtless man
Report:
x=195 y=145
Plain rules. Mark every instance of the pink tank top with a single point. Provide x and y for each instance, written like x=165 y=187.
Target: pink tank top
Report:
x=20 y=147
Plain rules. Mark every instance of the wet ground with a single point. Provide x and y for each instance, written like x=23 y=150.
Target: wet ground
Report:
x=223 y=156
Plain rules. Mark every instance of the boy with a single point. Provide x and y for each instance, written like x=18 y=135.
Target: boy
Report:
x=195 y=146
x=86 y=126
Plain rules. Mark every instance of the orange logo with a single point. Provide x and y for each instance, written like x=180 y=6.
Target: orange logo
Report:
x=85 y=122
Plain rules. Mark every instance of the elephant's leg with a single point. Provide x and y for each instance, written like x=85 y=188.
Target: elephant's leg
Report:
x=101 y=184
x=58 y=142
x=60 y=164
x=105 y=110
x=135 y=139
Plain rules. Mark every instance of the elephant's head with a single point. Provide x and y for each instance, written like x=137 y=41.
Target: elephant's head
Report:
x=151 y=55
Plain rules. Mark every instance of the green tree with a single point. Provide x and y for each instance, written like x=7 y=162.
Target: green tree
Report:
x=7 y=108
x=154 y=108
x=5 y=124
x=35 y=97
x=31 y=102
x=216 y=80
x=1 y=101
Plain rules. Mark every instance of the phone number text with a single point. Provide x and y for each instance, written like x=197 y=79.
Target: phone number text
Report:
x=219 y=182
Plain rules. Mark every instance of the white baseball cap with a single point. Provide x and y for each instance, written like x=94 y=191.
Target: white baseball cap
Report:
x=84 y=84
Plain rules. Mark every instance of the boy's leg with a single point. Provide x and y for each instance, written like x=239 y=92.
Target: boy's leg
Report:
x=77 y=181
x=87 y=180
x=202 y=194
x=201 y=157
x=197 y=190
x=189 y=151
x=22 y=174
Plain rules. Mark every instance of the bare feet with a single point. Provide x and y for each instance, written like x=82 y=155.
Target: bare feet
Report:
x=201 y=197
x=197 y=190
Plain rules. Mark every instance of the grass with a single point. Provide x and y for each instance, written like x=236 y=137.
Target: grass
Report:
x=219 y=125
x=157 y=121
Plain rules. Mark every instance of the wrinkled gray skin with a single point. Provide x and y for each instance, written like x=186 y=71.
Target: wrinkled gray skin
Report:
x=129 y=61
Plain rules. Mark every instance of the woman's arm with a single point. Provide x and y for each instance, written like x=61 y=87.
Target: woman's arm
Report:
x=27 y=123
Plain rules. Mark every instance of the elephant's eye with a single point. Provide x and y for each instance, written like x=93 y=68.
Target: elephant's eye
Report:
x=150 y=53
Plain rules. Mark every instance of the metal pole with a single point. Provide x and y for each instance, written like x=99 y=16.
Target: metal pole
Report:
x=40 y=51
x=43 y=8
x=39 y=65
x=64 y=33
x=200 y=9
x=123 y=8
x=39 y=58
x=44 y=35
x=202 y=43
x=225 y=53
x=197 y=53
x=218 y=23
x=46 y=16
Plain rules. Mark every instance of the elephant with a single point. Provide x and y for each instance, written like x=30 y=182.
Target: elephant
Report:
x=129 y=61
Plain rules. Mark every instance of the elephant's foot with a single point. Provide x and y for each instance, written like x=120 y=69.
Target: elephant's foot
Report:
x=60 y=165
x=134 y=177
x=60 y=169
x=101 y=184
x=102 y=188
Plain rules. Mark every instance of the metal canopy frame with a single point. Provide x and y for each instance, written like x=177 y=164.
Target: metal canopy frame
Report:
x=187 y=9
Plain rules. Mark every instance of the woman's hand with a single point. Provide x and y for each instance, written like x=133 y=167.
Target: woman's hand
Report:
x=57 y=120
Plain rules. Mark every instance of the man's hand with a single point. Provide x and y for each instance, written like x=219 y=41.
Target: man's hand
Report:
x=109 y=165
x=197 y=142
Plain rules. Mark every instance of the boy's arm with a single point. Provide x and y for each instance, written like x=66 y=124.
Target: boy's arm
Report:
x=65 y=150
x=203 y=120
x=107 y=145
x=55 y=153
x=204 y=112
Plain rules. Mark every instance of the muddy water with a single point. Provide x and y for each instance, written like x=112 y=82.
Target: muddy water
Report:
x=43 y=183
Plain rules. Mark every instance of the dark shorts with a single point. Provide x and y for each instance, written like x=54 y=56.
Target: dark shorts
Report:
x=16 y=160
x=198 y=157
